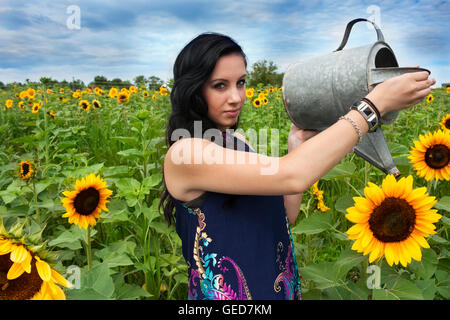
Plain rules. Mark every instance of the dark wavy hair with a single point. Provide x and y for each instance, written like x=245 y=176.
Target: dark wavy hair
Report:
x=193 y=67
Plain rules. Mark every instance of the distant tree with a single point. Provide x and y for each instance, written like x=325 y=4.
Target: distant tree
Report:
x=116 y=82
x=140 y=81
x=47 y=81
x=99 y=81
x=75 y=84
x=2 y=86
x=170 y=83
x=264 y=72
x=154 y=83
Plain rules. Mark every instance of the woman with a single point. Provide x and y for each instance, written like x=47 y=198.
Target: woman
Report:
x=233 y=219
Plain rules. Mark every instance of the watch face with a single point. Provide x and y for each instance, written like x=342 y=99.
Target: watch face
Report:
x=367 y=111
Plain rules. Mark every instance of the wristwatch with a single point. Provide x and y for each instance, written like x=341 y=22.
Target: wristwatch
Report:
x=367 y=113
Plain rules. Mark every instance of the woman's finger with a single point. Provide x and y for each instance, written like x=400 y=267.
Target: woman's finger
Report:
x=306 y=134
x=425 y=83
x=420 y=75
x=421 y=94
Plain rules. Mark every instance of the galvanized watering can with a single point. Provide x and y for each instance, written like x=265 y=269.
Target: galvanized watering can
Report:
x=317 y=91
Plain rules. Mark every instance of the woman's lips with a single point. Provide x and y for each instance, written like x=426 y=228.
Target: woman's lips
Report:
x=233 y=113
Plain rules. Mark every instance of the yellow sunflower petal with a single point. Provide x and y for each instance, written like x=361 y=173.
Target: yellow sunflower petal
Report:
x=59 y=279
x=374 y=194
x=389 y=253
x=43 y=269
x=389 y=186
x=15 y=271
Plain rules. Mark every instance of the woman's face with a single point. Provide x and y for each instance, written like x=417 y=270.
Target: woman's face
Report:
x=224 y=91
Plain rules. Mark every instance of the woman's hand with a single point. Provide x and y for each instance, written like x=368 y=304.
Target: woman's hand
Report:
x=401 y=92
x=297 y=136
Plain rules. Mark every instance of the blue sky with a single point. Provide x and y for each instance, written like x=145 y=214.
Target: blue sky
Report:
x=129 y=38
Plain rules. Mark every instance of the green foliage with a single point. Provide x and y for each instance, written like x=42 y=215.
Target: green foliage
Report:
x=264 y=74
x=135 y=255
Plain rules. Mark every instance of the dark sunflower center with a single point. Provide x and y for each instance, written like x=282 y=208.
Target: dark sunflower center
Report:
x=393 y=220
x=87 y=201
x=21 y=288
x=437 y=156
x=447 y=123
x=84 y=106
x=25 y=168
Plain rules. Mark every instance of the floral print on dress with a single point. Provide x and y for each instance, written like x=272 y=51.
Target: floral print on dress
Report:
x=207 y=281
x=289 y=271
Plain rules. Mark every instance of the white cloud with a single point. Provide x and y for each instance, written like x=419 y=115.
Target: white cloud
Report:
x=146 y=38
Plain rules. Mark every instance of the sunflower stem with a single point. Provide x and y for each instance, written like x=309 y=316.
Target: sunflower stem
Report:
x=429 y=184
x=366 y=172
x=88 y=247
x=38 y=217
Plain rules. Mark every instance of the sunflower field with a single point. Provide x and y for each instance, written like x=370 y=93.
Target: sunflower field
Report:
x=81 y=180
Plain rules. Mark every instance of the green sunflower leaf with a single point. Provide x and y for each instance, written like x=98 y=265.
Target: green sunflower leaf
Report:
x=342 y=170
x=321 y=274
x=427 y=266
x=402 y=289
x=443 y=204
x=315 y=223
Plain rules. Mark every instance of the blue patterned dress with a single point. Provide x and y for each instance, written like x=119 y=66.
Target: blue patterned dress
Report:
x=239 y=254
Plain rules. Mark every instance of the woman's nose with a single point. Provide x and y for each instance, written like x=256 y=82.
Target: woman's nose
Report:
x=235 y=95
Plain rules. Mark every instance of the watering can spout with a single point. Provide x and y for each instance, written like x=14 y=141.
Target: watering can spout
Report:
x=374 y=149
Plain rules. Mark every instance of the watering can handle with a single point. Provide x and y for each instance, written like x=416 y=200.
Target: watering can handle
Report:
x=349 y=28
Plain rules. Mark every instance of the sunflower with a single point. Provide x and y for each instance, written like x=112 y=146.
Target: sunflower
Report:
x=146 y=94
x=113 y=93
x=85 y=203
x=319 y=195
x=447 y=90
x=163 y=91
x=24 y=275
x=445 y=123
x=123 y=97
x=31 y=92
x=21 y=105
x=430 y=98
x=96 y=104
x=430 y=156
x=51 y=114
x=133 y=89
x=265 y=100
x=249 y=93
x=9 y=103
x=26 y=170
x=392 y=220
x=257 y=103
x=35 y=108
x=85 y=105
x=23 y=94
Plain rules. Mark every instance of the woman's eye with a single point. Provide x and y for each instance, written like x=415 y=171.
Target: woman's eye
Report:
x=242 y=82
x=219 y=85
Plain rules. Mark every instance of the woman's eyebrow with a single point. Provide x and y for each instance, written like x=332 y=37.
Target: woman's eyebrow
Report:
x=225 y=80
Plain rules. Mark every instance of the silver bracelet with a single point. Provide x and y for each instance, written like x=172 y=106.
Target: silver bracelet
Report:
x=355 y=125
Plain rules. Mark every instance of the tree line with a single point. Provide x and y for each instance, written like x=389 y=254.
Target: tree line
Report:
x=263 y=73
